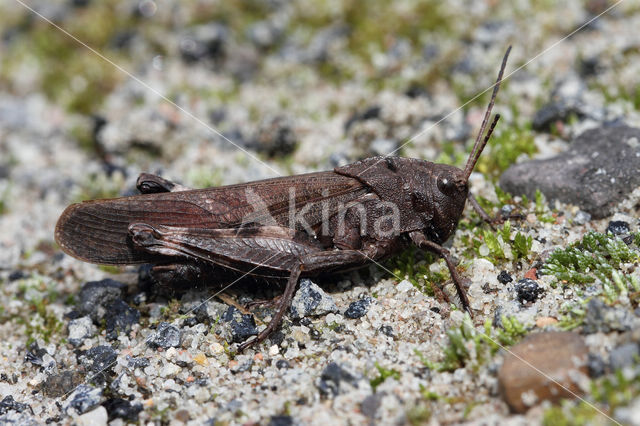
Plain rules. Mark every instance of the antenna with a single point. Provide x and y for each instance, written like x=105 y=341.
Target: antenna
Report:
x=481 y=142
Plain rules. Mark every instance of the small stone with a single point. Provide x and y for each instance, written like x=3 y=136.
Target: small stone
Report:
x=543 y=322
x=275 y=137
x=282 y=363
x=83 y=399
x=618 y=227
x=201 y=359
x=242 y=326
x=560 y=355
x=370 y=405
x=311 y=300
x=624 y=355
x=581 y=217
x=119 y=408
x=528 y=290
x=596 y=366
x=80 y=329
x=97 y=417
x=22 y=419
x=504 y=277
x=263 y=34
x=95 y=296
x=281 y=421
x=602 y=318
x=382 y=147
x=274 y=350
x=121 y=318
x=60 y=384
x=9 y=404
x=206 y=41
x=166 y=336
x=331 y=378
x=387 y=330
x=169 y=370
x=505 y=211
x=358 y=308
x=101 y=358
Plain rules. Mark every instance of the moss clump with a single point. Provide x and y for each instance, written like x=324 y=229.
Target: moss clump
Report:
x=413 y=265
x=607 y=393
x=98 y=186
x=597 y=256
x=504 y=148
x=384 y=374
x=468 y=346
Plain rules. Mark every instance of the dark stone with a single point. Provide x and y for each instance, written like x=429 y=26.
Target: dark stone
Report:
x=505 y=211
x=387 y=330
x=34 y=355
x=370 y=405
x=121 y=318
x=528 y=290
x=16 y=275
x=435 y=309
x=556 y=111
x=190 y=322
x=101 y=358
x=204 y=42
x=311 y=300
x=596 y=173
x=242 y=326
x=358 y=308
x=137 y=362
x=166 y=336
x=275 y=137
x=602 y=318
x=9 y=404
x=504 y=277
x=281 y=421
x=60 y=384
x=331 y=377
x=282 y=363
x=202 y=314
x=119 y=408
x=596 y=366
x=84 y=398
x=624 y=355
x=618 y=227
x=368 y=114
x=96 y=296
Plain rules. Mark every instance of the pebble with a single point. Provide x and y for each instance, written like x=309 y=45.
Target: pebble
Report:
x=83 y=399
x=602 y=318
x=9 y=404
x=275 y=137
x=358 y=308
x=165 y=336
x=504 y=277
x=206 y=41
x=595 y=174
x=101 y=358
x=97 y=417
x=80 y=329
x=121 y=318
x=624 y=355
x=332 y=377
x=528 y=290
x=581 y=217
x=60 y=384
x=558 y=354
x=618 y=227
x=596 y=365
x=311 y=300
x=281 y=421
x=241 y=326
x=96 y=296
x=119 y=408
x=382 y=147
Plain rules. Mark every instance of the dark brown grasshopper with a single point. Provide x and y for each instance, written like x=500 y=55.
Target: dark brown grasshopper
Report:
x=284 y=227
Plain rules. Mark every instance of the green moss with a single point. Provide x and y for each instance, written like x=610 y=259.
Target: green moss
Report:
x=596 y=256
x=413 y=265
x=468 y=346
x=607 y=393
x=98 y=186
x=504 y=147
x=4 y=200
x=384 y=374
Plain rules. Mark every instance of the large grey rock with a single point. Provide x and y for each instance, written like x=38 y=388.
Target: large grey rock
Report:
x=596 y=173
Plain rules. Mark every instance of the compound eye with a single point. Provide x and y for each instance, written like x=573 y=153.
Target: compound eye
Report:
x=446 y=186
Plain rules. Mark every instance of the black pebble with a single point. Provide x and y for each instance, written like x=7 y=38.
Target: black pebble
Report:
x=504 y=277
x=242 y=326
x=9 y=404
x=358 y=308
x=618 y=227
x=528 y=290
x=281 y=421
x=387 y=330
x=282 y=363
x=119 y=408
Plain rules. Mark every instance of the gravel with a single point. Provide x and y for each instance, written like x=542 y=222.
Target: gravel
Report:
x=301 y=90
